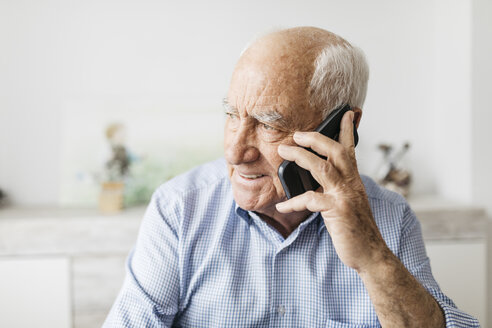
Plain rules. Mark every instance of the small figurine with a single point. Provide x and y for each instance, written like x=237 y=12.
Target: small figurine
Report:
x=390 y=175
x=118 y=164
x=117 y=167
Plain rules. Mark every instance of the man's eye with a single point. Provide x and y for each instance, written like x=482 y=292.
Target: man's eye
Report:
x=268 y=127
x=231 y=115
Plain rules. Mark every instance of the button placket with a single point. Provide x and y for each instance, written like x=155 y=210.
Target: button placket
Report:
x=281 y=310
x=279 y=307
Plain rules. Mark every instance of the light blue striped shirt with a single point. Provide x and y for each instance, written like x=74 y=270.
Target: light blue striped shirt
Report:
x=202 y=261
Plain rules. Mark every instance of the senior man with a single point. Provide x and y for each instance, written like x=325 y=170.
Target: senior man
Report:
x=221 y=246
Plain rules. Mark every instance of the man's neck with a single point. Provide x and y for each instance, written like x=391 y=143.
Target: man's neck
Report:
x=284 y=223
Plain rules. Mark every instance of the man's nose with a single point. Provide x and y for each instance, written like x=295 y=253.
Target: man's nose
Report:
x=241 y=146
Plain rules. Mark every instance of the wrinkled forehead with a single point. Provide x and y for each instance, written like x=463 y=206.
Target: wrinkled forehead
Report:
x=276 y=68
x=258 y=88
x=257 y=91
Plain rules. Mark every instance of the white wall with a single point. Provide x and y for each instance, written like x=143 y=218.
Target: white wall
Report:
x=481 y=103
x=452 y=99
x=35 y=292
x=482 y=116
x=180 y=55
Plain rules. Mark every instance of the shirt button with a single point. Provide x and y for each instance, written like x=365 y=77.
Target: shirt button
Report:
x=281 y=310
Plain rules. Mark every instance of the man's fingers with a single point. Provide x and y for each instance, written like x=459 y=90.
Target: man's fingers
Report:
x=347 y=131
x=310 y=200
x=301 y=156
x=322 y=171
x=336 y=153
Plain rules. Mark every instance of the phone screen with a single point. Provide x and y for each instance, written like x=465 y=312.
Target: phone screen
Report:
x=296 y=180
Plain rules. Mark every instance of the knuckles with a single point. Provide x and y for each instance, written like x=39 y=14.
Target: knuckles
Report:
x=311 y=196
x=339 y=151
x=324 y=168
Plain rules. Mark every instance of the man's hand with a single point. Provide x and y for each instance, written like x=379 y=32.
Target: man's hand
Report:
x=398 y=298
x=341 y=199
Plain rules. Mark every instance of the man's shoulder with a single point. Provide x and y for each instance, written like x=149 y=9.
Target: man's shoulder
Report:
x=388 y=207
x=390 y=211
x=196 y=201
x=201 y=180
x=377 y=193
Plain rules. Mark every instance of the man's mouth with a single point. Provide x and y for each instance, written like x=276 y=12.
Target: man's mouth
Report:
x=251 y=176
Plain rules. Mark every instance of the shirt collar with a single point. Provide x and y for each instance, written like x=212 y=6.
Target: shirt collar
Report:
x=321 y=223
x=313 y=216
x=242 y=213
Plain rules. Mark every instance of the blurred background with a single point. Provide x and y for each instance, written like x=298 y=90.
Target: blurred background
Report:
x=103 y=101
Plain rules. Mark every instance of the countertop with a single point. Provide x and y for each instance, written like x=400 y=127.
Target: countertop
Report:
x=69 y=231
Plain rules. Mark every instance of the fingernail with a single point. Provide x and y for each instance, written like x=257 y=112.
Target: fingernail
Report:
x=299 y=135
x=282 y=148
x=279 y=206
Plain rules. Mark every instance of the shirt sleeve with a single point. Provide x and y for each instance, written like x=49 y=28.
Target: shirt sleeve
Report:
x=414 y=257
x=150 y=294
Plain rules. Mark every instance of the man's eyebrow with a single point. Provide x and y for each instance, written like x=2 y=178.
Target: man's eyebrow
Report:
x=267 y=116
x=228 y=108
x=271 y=117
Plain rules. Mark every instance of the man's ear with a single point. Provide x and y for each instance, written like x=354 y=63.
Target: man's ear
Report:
x=357 y=116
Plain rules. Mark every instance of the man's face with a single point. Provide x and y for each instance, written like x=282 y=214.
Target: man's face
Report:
x=264 y=108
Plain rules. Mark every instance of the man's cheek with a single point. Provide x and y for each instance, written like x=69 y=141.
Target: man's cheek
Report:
x=278 y=186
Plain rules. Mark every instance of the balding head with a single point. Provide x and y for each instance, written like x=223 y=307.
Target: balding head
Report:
x=309 y=63
x=290 y=48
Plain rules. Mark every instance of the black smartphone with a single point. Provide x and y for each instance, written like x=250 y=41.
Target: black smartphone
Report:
x=296 y=180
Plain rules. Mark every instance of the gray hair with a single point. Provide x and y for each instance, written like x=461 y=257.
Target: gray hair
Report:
x=340 y=77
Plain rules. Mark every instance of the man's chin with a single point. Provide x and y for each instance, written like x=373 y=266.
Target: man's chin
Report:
x=245 y=203
x=254 y=197
x=252 y=203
